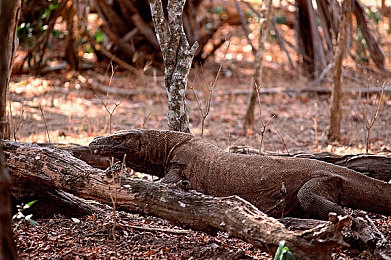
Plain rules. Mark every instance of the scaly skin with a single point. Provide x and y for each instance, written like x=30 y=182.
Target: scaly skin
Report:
x=278 y=186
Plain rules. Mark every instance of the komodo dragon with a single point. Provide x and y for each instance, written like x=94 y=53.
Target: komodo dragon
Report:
x=278 y=186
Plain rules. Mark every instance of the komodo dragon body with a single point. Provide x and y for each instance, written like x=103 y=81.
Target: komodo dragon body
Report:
x=278 y=186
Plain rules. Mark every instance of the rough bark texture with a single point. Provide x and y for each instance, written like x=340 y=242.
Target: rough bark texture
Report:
x=265 y=17
x=240 y=219
x=7 y=246
x=335 y=108
x=308 y=39
x=177 y=56
x=9 y=13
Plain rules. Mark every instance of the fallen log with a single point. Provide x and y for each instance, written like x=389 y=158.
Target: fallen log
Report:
x=372 y=165
x=375 y=166
x=48 y=166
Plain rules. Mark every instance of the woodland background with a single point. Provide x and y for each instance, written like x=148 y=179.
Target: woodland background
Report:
x=78 y=74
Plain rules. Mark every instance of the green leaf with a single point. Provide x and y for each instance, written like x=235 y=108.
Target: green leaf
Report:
x=279 y=251
x=31 y=202
x=99 y=36
x=33 y=222
x=283 y=252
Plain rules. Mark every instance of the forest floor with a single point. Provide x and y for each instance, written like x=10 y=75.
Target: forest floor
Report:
x=72 y=107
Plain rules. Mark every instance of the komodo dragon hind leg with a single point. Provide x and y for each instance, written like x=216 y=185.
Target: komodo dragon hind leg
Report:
x=318 y=197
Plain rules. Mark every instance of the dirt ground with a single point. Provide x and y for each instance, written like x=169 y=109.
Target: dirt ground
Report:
x=67 y=107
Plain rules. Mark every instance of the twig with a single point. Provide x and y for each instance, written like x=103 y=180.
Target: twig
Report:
x=369 y=122
x=44 y=121
x=165 y=230
x=145 y=119
x=205 y=113
x=315 y=119
x=280 y=39
x=321 y=76
x=110 y=113
x=244 y=25
x=114 y=200
x=282 y=138
x=106 y=106
x=19 y=122
x=282 y=42
x=264 y=125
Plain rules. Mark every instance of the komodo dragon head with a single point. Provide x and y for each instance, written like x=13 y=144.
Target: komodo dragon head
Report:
x=146 y=150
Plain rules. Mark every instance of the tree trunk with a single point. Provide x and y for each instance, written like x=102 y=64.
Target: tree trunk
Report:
x=375 y=50
x=265 y=18
x=7 y=246
x=57 y=168
x=308 y=39
x=335 y=109
x=177 y=56
x=71 y=55
x=9 y=13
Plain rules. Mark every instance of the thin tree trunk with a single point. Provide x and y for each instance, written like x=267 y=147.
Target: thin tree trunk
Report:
x=70 y=53
x=9 y=13
x=178 y=57
x=265 y=18
x=7 y=246
x=335 y=109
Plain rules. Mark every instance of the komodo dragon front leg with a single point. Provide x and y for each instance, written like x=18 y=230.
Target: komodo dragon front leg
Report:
x=321 y=195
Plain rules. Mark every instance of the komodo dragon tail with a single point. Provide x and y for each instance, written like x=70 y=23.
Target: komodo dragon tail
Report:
x=344 y=187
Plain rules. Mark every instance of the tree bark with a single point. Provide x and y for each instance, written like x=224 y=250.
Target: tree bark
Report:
x=375 y=50
x=308 y=39
x=177 y=56
x=71 y=55
x=265 y=17
x=7 y=246
x=9 y=13
x=335 y=108
x=55 y=167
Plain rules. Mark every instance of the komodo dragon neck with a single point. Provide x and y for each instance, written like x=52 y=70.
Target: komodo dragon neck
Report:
x=145 y=150
x=278 y=186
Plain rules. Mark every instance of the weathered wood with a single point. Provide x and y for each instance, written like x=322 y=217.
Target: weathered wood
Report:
x=336 y=94
x=55 y=167
x=7 y=245
x=375 y=166
x=83 y=153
